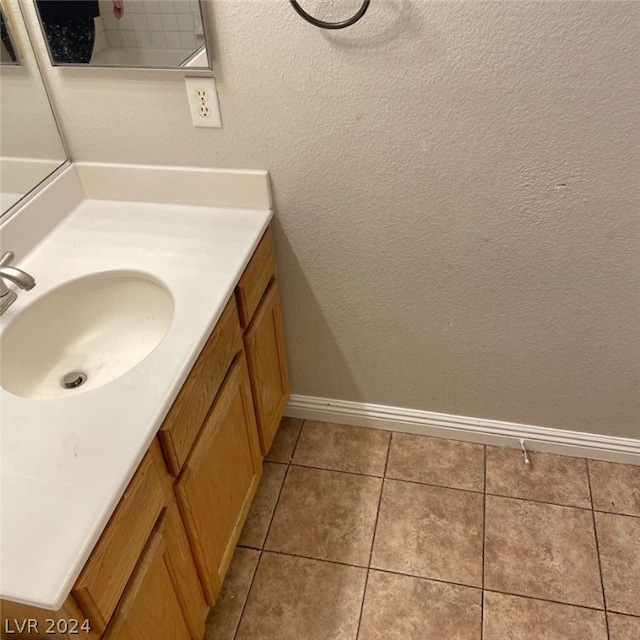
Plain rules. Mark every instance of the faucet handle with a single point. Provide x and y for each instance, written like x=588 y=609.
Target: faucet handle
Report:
x=7 y=258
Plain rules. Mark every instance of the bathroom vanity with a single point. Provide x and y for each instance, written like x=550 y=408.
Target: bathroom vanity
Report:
x=123 y=502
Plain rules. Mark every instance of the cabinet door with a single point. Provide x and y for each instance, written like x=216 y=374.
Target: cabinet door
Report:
x=220 y=478
x=267 y=358
x=150 y=606
x=113 y=560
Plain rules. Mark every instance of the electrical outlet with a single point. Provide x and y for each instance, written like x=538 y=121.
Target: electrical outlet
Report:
x=203 y=102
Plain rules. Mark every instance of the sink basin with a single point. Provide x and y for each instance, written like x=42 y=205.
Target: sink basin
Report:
x=84 y=334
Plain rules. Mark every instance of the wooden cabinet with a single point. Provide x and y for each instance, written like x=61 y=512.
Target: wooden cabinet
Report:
x=161 y=561
x=186 y=416
x=220 y=478
x=23 y=622
x=260 y=271
x=140 y=581
x=151 y=607
x=267 y=358
x=104 y=578
x=260 y=312
x=147 y=506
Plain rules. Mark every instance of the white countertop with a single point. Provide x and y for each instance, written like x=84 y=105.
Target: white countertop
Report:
x=66 y=462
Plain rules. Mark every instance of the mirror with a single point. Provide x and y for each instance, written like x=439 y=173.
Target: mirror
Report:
x=30 y=144
x=165 y=34
x=8 y=48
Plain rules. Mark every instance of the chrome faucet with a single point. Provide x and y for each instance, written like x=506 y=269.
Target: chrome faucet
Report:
x=15 y=275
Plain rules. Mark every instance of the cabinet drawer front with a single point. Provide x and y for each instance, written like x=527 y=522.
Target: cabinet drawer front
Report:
x=255 y=279
x=150 y=606
x=267 y=359
x=111 y=564
x=220 y=479
x=184 y=420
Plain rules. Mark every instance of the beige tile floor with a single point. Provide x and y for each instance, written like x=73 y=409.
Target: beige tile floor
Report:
x=360 y=534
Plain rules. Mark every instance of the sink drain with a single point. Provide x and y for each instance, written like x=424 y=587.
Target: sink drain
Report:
x=73 y=380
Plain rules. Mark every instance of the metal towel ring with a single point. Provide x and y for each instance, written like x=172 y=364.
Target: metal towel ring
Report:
x=330 y=25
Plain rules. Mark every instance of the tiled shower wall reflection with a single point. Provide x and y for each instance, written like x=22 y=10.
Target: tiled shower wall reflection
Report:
x=155 y=24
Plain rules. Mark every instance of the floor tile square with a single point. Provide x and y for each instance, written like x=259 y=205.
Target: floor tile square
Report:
x=258 y=520
x=225 y=616
x=619 y=544
x=516 y=618
x=326 y=515
x=623 y=627
x=448 y=463
x=431 y=532
x=405 y=608
x=542 y=551
x=615 y=487
x=548 y=478
x=285 y=441
x=342 y=448
x=300 y=599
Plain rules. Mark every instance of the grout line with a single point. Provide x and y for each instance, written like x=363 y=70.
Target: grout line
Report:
x=353 y=473
x=295 y=446
x=249 y=547
x=622 y=613
x=264 y=541
x=595 y=534
x=275 y=508
x=364 y=595
x=615 y=513
x=484 y=537
x=298 y=555
x=375 y=526
x=386 y=460
x=456 y=584
x=565 y=604
x=440 y=581
x=444 y=486
x=504 y=593
x=244 y=606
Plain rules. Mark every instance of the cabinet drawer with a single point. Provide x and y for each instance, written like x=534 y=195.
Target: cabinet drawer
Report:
x=111 y=564
x=184 y=420
x=255 y=279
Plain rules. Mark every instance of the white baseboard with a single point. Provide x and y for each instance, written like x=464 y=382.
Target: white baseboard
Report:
x=428 y=423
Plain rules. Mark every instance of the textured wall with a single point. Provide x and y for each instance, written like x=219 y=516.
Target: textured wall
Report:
x=457 y=187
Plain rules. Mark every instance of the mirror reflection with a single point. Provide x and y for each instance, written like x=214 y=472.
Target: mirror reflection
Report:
x=124 y=33
x=8 y=49
x=30 y=144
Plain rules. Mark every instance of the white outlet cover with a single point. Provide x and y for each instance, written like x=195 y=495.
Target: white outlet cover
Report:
x=195 y=89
